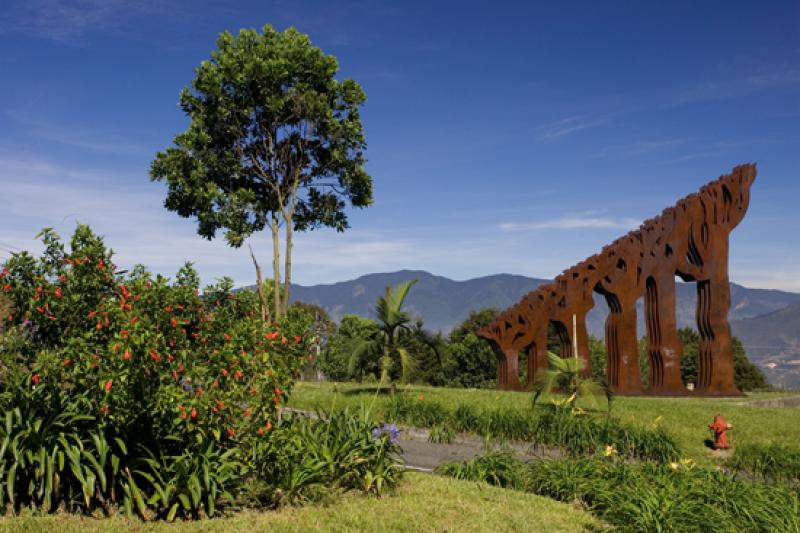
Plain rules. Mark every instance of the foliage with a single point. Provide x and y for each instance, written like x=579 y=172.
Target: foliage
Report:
x=574 y=431
x=443 y=434
x=307 y=458
x=335 y=357
x=470 y=361
x=496 y=468
x=274 y=138
x=747 y=376
x=387 y=346
x=565 y=374
x=132 y=383
x=644 y=497
x=774 y=462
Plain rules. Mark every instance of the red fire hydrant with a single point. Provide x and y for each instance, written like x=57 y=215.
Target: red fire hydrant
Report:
x=720 y=427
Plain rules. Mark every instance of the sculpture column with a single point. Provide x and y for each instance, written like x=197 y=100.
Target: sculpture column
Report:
x=625 y=349
x=663 y=345
x=715 y=372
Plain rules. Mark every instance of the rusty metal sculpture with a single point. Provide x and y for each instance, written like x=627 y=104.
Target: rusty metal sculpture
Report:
x=689 y=240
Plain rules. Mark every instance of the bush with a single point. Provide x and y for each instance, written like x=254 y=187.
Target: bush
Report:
x=179 y=383
x=309 y=458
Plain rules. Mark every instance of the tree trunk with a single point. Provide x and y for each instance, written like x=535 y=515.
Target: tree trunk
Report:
x=262 y=298
x=287 y=269
x=276 y=267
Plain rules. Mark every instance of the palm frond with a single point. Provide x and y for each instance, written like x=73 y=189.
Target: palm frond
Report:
x=370 y=347
x=407 y=364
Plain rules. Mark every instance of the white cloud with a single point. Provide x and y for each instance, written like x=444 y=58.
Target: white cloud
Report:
x=570 y=125
x=68 y=21
x=577 y=222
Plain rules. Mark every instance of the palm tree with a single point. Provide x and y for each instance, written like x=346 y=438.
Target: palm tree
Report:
x=386 y=343
x=565 y=373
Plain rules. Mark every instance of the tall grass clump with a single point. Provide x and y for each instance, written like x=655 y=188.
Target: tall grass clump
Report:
x=420 y=413
x=583 y=434
x=307 y=459
x=778 y=463
x=646 y=496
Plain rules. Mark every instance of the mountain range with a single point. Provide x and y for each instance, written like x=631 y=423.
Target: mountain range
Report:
x=767 y=321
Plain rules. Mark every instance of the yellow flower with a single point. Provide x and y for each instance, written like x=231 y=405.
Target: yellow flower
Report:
x=658 y=420
x=674 y=466
x=420 y=397
x=610 y=450
x=577 y=411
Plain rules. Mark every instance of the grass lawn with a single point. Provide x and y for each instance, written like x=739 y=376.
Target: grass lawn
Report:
x=685 y=418
x=421 y=503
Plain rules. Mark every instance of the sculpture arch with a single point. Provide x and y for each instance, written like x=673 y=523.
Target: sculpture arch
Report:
x=689 y=240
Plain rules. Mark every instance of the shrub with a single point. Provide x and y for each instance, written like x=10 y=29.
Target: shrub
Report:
x=308 y=458
x=168 y=376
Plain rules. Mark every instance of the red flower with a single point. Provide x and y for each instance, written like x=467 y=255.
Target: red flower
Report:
x=38 y=289
x=260 y=431
x=154 y=356
x=277 y=391
x=7 y=287
x=171 y=343
x=35 y=378
x=58 y=292
x=230 y=432
x=284 y=340
x=253 y=390
x=224 y=371
x=298 y=338
x=227 y=337
x=194 y=413
x=100 y=264
x=67 y=362
x=269 y=425
x=246 y=413
x=127 y=355
x=237 y=375
x=174 y=323
x=108 y=385
x=92 y=314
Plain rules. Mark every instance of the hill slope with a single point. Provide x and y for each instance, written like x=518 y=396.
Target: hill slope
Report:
x=773 y=342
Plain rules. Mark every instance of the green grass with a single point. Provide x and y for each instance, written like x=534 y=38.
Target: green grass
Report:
x=686 y=419
x=421 y=503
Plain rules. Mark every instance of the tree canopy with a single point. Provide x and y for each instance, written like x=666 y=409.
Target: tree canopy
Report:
x=275 y=140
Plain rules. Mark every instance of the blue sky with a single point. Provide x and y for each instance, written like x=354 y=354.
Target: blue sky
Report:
x=511 y=137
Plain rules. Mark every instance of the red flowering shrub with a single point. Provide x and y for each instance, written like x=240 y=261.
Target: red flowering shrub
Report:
x=160 y=365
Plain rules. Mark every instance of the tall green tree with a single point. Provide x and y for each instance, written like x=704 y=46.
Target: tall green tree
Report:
x=387 y=345
x=275 y=140
x=334 y=360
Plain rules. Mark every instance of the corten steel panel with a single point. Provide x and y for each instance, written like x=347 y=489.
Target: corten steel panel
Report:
x=689 y=240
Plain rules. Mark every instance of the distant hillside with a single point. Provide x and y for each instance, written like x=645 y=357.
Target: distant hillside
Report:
x=773 y=342
x=443 y=303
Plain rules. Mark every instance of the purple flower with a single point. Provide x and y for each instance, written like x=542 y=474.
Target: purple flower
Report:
x=387 y=429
